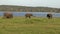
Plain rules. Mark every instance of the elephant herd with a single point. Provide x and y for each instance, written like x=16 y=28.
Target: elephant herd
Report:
x=27 y=15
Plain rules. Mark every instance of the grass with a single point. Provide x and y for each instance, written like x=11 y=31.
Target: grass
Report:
x=21 y=25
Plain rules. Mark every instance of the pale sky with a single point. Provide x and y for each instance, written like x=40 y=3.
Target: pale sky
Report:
x=45 y=3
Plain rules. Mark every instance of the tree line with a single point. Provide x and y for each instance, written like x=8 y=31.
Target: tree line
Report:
x=28 y=9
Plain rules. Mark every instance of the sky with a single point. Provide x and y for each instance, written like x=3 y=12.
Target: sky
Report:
x=33 y=3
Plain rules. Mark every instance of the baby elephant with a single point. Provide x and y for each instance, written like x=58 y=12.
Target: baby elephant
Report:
x=49 y=16
x=28 y=15
x=8 y=15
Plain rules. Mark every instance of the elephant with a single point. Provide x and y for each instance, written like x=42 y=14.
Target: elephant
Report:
x=8 y=15
x=28 y=15
x=49 y=16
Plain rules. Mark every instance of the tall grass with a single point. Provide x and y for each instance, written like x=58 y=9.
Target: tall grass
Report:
x=35 y=25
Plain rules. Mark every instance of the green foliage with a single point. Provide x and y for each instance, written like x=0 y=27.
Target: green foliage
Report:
x=12 y=8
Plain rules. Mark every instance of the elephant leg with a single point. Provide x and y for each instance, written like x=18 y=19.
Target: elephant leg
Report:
x=49 y=17
x=7 y=17
x=29 y=17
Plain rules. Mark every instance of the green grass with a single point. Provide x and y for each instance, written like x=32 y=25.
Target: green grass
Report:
x=35 y=25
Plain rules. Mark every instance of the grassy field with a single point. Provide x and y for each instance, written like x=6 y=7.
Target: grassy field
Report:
x=21 y=25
